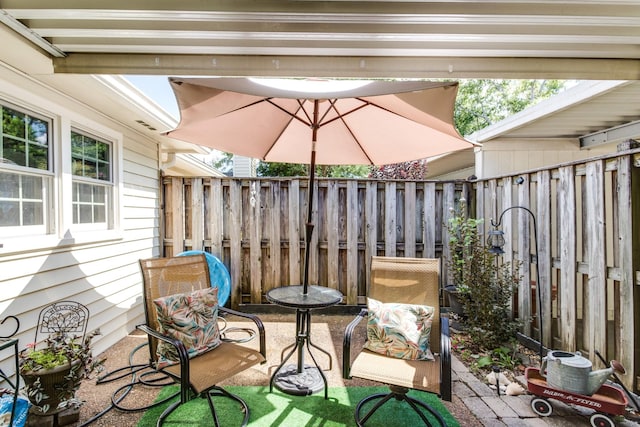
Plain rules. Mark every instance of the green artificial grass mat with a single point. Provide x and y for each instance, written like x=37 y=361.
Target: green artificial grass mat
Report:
x=279 y=409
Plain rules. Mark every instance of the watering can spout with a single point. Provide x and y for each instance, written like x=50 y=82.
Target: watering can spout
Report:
x=597 y=378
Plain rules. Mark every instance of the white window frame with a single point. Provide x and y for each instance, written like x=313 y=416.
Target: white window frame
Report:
x=88 y=233
x=59 y=230
x=47 y=175
x=107 y=184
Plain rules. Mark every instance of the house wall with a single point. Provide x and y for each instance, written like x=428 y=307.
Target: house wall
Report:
x=506 y=156
x=98 y=268
x=243 y=166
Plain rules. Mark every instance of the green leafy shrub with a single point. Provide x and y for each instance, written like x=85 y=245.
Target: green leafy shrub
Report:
x=485 y=286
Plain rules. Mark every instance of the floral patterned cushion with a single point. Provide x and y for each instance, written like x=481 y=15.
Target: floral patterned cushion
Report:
x=191 y=318
x=399 y=330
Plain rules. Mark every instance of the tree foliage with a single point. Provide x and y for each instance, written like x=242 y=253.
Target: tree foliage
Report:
x=224 y=163
x=481 y=103
x=296 y=169
x=415 y=169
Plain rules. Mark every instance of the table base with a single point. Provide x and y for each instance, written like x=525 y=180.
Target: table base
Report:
x=302 y=379
x=305 y=383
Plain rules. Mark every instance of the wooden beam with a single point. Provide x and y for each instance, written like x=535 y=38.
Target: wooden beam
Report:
x=350 y=66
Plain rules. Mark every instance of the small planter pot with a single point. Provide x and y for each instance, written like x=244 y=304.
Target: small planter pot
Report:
x=53 y=386
x=455 y=306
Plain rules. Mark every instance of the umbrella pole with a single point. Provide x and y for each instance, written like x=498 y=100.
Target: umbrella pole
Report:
x=309 y=225
x=312 y=174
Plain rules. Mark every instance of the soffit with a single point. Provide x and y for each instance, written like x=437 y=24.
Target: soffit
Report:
x=456 y=39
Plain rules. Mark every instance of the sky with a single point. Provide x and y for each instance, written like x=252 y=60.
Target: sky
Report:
x=158 y=89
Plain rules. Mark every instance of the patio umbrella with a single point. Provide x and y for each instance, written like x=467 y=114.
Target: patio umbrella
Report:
x=376 y=123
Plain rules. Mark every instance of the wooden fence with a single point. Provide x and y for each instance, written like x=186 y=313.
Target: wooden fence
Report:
x=257 y=227
x=587 y=214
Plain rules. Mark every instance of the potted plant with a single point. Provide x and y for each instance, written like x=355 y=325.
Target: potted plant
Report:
x=464 y=248
x=53 y=370
x=482 y=286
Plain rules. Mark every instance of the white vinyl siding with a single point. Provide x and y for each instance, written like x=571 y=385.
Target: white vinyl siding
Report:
x=98 y=268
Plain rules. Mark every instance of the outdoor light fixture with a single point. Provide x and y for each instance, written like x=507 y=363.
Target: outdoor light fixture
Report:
x=495 y=241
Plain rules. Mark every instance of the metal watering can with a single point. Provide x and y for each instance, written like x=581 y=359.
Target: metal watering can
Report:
x=571 y=372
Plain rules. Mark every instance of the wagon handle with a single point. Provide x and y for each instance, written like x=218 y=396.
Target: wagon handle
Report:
x=631 y=396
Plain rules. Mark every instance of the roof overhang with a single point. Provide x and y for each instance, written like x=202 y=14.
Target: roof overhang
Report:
x=590 y=39
x=590 y=113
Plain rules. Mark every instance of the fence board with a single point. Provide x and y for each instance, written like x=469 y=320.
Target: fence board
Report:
x=255 y=242
x=352 y=243
x=543 y=263
x=429 y=221
x=273 y=255
x=626 y=215
x=390 y=230
x=491 y=208
x=480 y=200
x=524 y=256
x=197 y=214
x=313 y=260
x=596 y=295
x=507 y=220
x=448 y=211
x=235 y=241
x=410 y=218
x=371 y=228
x=506 y=226
x=293 y=215
x=568 y=270
x=332 y=234
x=215 y=217
x=178 y=219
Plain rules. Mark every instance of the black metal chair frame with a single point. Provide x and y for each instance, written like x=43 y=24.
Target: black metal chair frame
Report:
x=398 y=392
x=7 y=341
x=186 y=392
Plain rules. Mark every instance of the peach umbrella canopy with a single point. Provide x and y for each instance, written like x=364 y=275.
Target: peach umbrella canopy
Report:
x=379 y=122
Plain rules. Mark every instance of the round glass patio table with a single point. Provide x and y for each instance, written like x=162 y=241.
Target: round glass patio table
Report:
x=301 y=379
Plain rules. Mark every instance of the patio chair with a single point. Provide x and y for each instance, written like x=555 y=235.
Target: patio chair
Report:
x=184 y=341
x=410 y=286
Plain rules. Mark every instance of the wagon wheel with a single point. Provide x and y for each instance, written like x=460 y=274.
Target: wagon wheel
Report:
x=541 y=407
x=599 y=420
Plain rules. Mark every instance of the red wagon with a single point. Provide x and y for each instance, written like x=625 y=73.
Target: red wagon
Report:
x=608 y=401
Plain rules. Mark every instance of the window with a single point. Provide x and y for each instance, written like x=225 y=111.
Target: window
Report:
x=91 y=168
x=58 y=179
x=25 y=175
